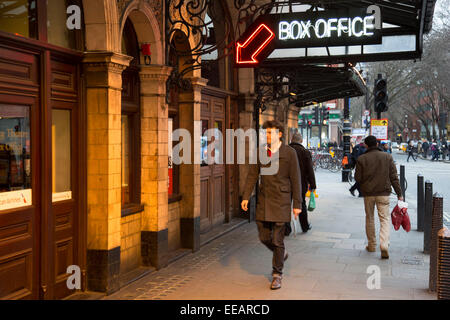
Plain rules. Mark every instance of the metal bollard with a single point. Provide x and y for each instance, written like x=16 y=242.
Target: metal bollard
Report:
x=443 y=279
x=402 y=182
x=436 y=224
x=420 y=202
x=427 y=218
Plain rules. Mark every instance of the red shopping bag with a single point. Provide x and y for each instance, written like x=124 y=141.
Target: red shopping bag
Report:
x=406 y=223
x=397 y=218
x=400 y=217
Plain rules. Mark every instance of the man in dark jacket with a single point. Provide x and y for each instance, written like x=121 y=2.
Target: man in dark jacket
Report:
x=425 y=147
x=307 y=176
x=410 y=149
x=277 y=191
x=377 y=174
x=358 y=150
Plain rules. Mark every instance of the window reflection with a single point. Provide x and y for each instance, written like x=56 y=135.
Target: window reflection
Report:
x=19 y=17
x=170 y=178
x=57 y=17
x=217 y=133
x=204 y=142
x=61 y=155
x=125 y=160
x=15 y=157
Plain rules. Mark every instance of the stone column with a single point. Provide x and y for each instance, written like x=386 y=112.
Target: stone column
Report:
x=103 y=72
x=246 y=109
x=190 y=111
x=293 y=112
x=246 y=122
x=154 y=165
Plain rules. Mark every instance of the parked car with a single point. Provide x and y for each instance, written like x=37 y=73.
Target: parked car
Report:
x=395 y=145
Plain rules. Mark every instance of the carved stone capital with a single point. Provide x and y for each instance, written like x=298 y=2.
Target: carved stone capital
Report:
x=155 y=73
x=104 y=69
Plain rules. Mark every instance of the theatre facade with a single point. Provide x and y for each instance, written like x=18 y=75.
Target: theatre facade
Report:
x=90 y=94
x=86 y=116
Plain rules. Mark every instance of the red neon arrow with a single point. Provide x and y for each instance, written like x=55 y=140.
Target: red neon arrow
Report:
x=264 y=35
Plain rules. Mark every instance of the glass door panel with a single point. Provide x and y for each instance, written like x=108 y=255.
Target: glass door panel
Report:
x=61 y=155
x=15 y=157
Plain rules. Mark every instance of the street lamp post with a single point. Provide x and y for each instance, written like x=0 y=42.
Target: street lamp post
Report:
x=347 y=130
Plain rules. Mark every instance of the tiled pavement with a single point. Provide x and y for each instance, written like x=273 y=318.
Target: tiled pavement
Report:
x=329 y=262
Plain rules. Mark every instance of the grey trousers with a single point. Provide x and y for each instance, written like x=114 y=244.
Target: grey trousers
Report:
x=271 y=234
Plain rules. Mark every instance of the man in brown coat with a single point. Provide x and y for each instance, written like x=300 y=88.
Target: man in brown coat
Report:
x=376 y=173
x=273 y=209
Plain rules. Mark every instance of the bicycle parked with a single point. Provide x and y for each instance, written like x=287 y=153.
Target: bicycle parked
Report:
x=331 y=160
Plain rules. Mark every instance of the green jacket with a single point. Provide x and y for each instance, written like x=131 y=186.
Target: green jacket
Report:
x=376 y=174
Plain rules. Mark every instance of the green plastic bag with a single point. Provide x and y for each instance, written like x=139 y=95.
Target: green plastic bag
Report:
x=312 y=203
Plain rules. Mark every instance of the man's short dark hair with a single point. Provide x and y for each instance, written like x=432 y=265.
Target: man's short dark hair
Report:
x=371 y=141
x=274 y=124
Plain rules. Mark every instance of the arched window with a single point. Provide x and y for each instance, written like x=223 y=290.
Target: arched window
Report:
x=130 y=124
x=216 y=67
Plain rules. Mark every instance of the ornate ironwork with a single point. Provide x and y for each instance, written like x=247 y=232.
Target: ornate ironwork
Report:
x=188 y=21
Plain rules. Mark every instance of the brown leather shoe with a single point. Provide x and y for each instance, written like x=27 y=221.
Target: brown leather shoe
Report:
x=276 y=282
x=370 y=249
x=384 y=254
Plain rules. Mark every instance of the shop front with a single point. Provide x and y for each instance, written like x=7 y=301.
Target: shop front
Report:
x=41 y=151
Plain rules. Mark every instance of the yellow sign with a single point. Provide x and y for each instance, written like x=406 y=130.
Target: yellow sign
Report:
x=379 y=128
x=380 y=123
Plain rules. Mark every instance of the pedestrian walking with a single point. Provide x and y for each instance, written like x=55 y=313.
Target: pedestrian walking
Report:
x=410 y=149
x=377 y=174
x=434 y=151
x=273 y=209
x=444 y=148
x=425 y=148
x=308 y=178
x=356 y=153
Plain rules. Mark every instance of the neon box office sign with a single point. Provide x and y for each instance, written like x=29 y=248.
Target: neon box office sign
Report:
x=344 y=27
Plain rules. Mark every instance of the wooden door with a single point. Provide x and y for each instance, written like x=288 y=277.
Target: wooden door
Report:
x=63 y=251
x=212 y=177
x=20 y=152
x=39 y=170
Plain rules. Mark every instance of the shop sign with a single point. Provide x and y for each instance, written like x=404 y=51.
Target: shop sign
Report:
x=15 y=199
x=343 y=27
x=61 y=196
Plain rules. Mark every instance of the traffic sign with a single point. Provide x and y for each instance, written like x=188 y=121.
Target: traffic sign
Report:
x=379 y=128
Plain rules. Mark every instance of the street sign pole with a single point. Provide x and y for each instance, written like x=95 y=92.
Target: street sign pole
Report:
x=320 y=124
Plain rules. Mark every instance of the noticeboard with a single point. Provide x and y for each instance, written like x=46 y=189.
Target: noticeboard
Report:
x=379 y=128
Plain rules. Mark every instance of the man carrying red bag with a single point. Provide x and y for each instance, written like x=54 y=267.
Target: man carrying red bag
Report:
x=376 y=173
